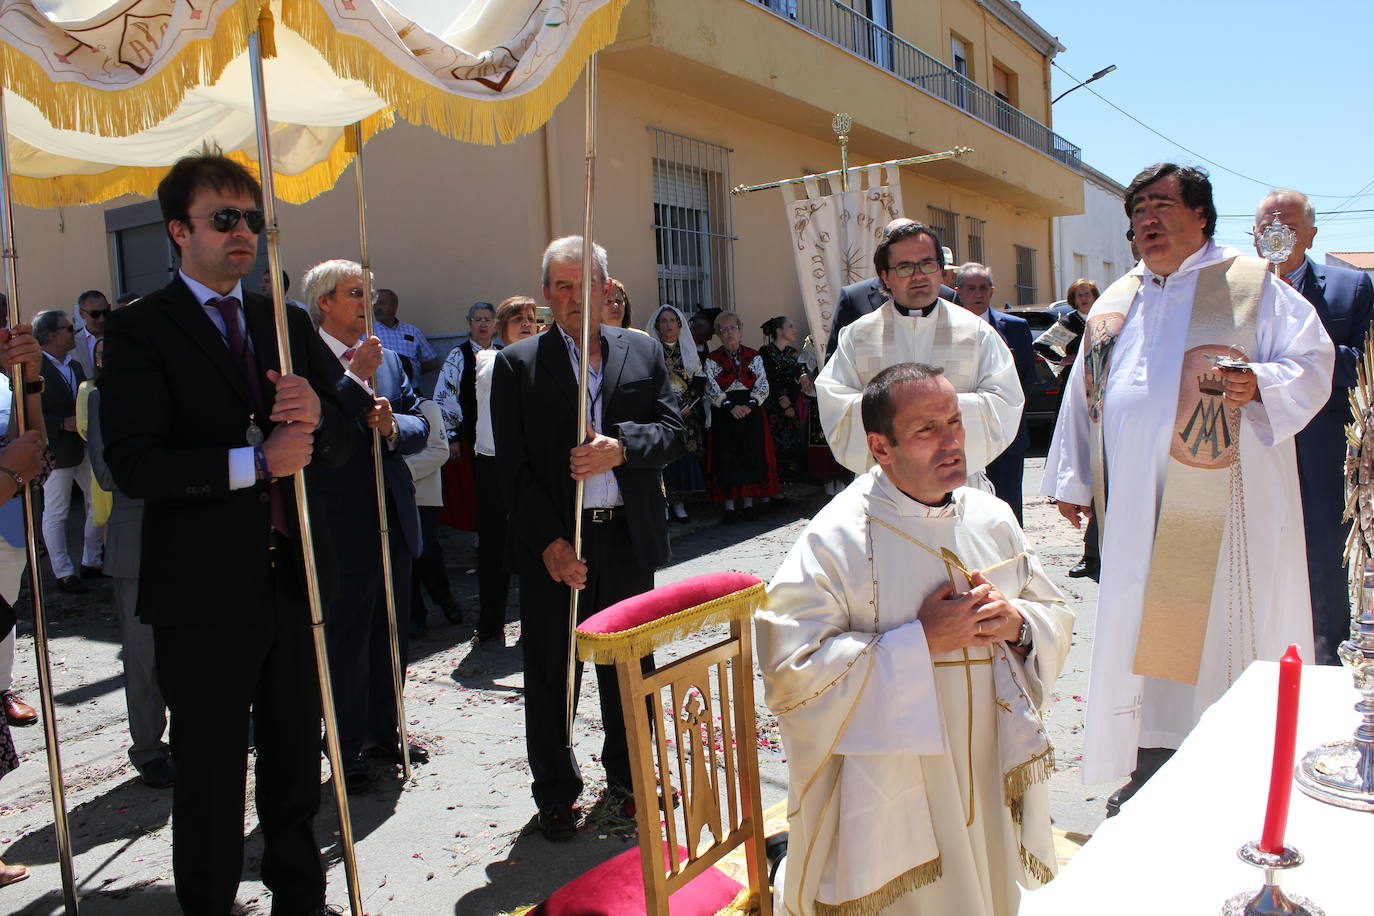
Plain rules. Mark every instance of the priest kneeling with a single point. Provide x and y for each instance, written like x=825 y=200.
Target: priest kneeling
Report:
x=909 y=641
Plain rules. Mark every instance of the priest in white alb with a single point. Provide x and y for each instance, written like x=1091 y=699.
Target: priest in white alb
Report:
x=916 y=325
x=1196 y=370
x=909 y=641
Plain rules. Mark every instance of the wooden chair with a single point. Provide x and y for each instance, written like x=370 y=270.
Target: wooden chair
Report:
x=698 y=739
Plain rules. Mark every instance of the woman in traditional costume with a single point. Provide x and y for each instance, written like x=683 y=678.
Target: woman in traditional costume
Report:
x=788 y=383
x=740 y=460
x=682 y=479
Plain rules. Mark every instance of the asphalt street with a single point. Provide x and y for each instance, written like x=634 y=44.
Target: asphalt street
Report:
x=458 y=839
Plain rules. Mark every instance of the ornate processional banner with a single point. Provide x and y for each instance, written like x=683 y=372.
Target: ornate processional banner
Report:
x=833 y=238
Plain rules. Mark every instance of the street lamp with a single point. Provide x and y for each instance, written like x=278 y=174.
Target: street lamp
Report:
x=1096 y=76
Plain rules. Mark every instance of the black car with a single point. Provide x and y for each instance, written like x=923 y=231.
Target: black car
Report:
x=1042 y=401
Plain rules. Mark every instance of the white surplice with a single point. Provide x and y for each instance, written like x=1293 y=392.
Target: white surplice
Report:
x=1269 y=610
x=991 y=402
x=879 y=734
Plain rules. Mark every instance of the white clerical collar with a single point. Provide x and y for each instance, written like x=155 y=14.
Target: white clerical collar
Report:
x=905 y=312
x=906 y=505
x=204 y=293
x=1209 y=253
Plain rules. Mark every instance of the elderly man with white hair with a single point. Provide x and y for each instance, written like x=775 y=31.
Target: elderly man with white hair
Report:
x=632 y=429
x=357 y=635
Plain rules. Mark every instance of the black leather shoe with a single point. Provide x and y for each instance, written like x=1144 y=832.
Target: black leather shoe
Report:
x=557 y=823
x=1090 y=568
x=158 y=773
x=93 y=572
x=71 y=585
x=358 y=776
x=453 y=611
x=418 y=754
x=749 y=514
x=418 y=630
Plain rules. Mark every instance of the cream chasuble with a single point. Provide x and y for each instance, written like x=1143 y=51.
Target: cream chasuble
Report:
x=915 y=783
x=1259 y=601
x=966 y=346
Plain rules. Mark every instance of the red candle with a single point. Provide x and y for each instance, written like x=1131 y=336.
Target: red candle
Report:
x=1285 y=745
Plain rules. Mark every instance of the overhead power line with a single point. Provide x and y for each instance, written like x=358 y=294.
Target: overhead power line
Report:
x=1193 y=152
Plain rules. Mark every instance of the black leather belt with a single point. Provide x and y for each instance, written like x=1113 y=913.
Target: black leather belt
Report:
x=602 y=516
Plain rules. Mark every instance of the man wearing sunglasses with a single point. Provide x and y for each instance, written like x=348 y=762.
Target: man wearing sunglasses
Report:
x=93 y=307
x=200 y=424
x=916 y=325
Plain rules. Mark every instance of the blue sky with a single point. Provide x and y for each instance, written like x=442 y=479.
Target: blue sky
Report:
x=1278 y=92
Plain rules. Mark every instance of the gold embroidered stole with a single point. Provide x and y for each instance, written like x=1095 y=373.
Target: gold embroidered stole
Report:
x=1204 y=446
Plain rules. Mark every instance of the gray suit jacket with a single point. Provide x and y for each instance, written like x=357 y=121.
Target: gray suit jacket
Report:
x=82 y=353
x=124 y=530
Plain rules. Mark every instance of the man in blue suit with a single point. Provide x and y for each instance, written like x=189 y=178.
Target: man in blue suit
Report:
x=858 y=299
x=356 y=626
x=974 y=283
x=1342 y=297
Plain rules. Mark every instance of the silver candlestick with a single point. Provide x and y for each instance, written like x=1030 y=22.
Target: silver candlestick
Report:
x=1271 y=900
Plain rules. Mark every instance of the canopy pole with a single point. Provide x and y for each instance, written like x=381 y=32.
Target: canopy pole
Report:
x=388 y=575
x=40 y=623
x=312 y=576
x=583 y=365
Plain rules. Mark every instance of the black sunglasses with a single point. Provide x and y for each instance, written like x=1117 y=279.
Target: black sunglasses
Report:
x=97 y=313
x=226 y=218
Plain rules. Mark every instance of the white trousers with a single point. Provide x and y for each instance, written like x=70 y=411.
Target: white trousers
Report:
x=12 y=562
x=57 y=497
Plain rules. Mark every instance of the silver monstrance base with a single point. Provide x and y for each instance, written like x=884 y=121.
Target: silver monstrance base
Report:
x=1270 y=900
x=1342 y=772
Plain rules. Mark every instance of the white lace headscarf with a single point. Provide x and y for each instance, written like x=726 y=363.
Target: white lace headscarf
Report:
x=691 y=361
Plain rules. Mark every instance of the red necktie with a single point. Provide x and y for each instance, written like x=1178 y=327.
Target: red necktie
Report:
x=248 y=365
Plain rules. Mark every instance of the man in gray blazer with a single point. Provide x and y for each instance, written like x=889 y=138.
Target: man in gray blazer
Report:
x=149 y=754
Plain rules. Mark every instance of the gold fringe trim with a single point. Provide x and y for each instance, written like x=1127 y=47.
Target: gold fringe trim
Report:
x=518 y=911
x=421 y=102
x=1024 y=775
x=1035 y=868
x=609 y=648
x=746 y=903
x=126 y=111
x=75 y=190
x=888 y=894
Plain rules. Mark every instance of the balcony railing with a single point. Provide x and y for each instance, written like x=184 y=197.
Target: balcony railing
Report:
x=856 y=33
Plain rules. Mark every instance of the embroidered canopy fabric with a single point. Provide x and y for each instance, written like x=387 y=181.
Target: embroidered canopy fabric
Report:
x=104 y=95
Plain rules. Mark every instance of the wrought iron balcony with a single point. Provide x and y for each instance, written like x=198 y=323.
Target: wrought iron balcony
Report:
x=861 y=36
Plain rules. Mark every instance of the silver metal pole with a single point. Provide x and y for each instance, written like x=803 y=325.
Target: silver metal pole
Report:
x=40 y=623
x=844 y=173
x=388 y=575
x=312 y=575
x=590 y=299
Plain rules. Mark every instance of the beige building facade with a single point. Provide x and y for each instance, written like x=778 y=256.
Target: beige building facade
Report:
x=694 y=97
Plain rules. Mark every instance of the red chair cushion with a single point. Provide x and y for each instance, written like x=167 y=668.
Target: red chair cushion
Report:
x=616 y=888
x=666 y=600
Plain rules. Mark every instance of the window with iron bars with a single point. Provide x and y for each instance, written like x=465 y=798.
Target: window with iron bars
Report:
x=946 y=226
x=1025 y=275
x=975 y=239
x=693 y=224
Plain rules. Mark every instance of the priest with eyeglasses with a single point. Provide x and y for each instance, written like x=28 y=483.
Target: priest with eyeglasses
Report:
x=916 y=325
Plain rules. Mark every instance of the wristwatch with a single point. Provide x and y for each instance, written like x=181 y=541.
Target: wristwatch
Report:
x=624 y=451
x=1023 y=639
x=34 y=386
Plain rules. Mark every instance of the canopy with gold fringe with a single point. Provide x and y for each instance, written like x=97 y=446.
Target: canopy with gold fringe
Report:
x=477 y=71
x=311 y=141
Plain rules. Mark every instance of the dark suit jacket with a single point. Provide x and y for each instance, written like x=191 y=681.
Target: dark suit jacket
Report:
x=59 y=403
x=1344 y=300
x=1017 y=336
x=857 y=300
x=348 y=490
x=533 y=410
x=173 y=403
